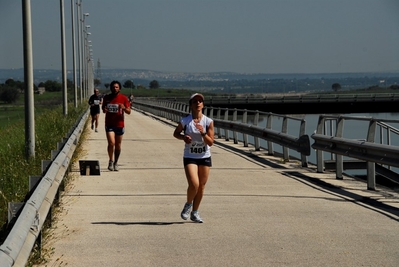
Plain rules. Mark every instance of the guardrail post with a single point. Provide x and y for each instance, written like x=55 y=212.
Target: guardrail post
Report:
x=339 y=162
x=161 y=112
x=319 y=153
x=33 y=181
x=329 y=130
x=45 y=165
x=284 y=129
x=235 y=139
x=270 y=147
x=218 y=131
x=171 y=115
x=173 y=106
x=13 y=209
x=371 y=184
x=211 y=112
x=256 y=139
x=205 y=111
x=388 y=130
x=245 y=121
x=302 y=131
x=179 y=106
x=226 y=131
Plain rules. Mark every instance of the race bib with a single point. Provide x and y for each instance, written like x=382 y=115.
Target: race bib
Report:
x=197 y=148
x=96 y=102
x=113 y=108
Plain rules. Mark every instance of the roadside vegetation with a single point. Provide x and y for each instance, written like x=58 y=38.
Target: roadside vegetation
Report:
x=50 y=127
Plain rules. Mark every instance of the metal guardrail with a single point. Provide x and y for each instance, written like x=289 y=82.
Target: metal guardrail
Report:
x=174 y=111
x=300 y=144
x=329 y=138
x=17 y=248
x=362 y=150
x=369 y=151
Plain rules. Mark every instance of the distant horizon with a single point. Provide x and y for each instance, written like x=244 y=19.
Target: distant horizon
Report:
x=233 y=72
x=222 y=81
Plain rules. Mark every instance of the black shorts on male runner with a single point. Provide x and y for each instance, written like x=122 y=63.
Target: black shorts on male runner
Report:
x=116 y=130
x=94 y=110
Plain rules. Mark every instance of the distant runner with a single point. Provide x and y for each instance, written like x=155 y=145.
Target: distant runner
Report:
x=95 y=101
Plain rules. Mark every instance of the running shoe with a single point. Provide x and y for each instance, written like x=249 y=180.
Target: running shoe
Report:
x=195 y=217
x=111 y=165
x=92 y=126
x=96 y=130
x=116 y=167
x=186 y=211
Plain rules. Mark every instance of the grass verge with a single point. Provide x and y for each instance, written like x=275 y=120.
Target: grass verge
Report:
x=51 y=127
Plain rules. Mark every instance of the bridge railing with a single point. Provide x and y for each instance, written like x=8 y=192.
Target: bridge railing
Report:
x=227 y=125
x=376 y=148
x=360 y=153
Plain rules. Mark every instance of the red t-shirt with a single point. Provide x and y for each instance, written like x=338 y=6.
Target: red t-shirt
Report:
x=115 y=115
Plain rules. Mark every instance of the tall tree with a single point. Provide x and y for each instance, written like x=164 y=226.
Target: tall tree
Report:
x=129 y=84
x=97 y=82
x=9 y=95
x=154 y=84
x=336 y=87
x=10 y=82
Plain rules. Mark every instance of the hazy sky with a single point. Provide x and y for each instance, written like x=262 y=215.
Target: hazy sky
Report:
x=245 y=36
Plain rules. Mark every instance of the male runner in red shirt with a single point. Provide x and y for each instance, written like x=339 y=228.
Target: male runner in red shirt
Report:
x=115 y=105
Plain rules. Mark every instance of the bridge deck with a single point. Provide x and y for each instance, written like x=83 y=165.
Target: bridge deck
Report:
x=257 y=211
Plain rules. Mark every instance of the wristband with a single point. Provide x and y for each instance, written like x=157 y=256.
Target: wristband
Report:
x=203 y=134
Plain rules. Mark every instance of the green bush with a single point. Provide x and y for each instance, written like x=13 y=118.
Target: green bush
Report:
x=9 y=94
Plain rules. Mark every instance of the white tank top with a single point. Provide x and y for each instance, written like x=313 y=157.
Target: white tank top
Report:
x=197 y=149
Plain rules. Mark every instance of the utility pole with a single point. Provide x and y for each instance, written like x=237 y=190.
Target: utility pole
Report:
x=74 y=55
x=28 y=79
x=63 y=60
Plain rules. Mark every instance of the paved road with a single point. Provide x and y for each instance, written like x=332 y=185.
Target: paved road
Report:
x=257 y=211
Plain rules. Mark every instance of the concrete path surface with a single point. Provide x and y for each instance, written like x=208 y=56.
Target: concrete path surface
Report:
x=257 y=210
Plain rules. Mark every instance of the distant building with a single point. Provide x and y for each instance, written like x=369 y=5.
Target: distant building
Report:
x=40 y=90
